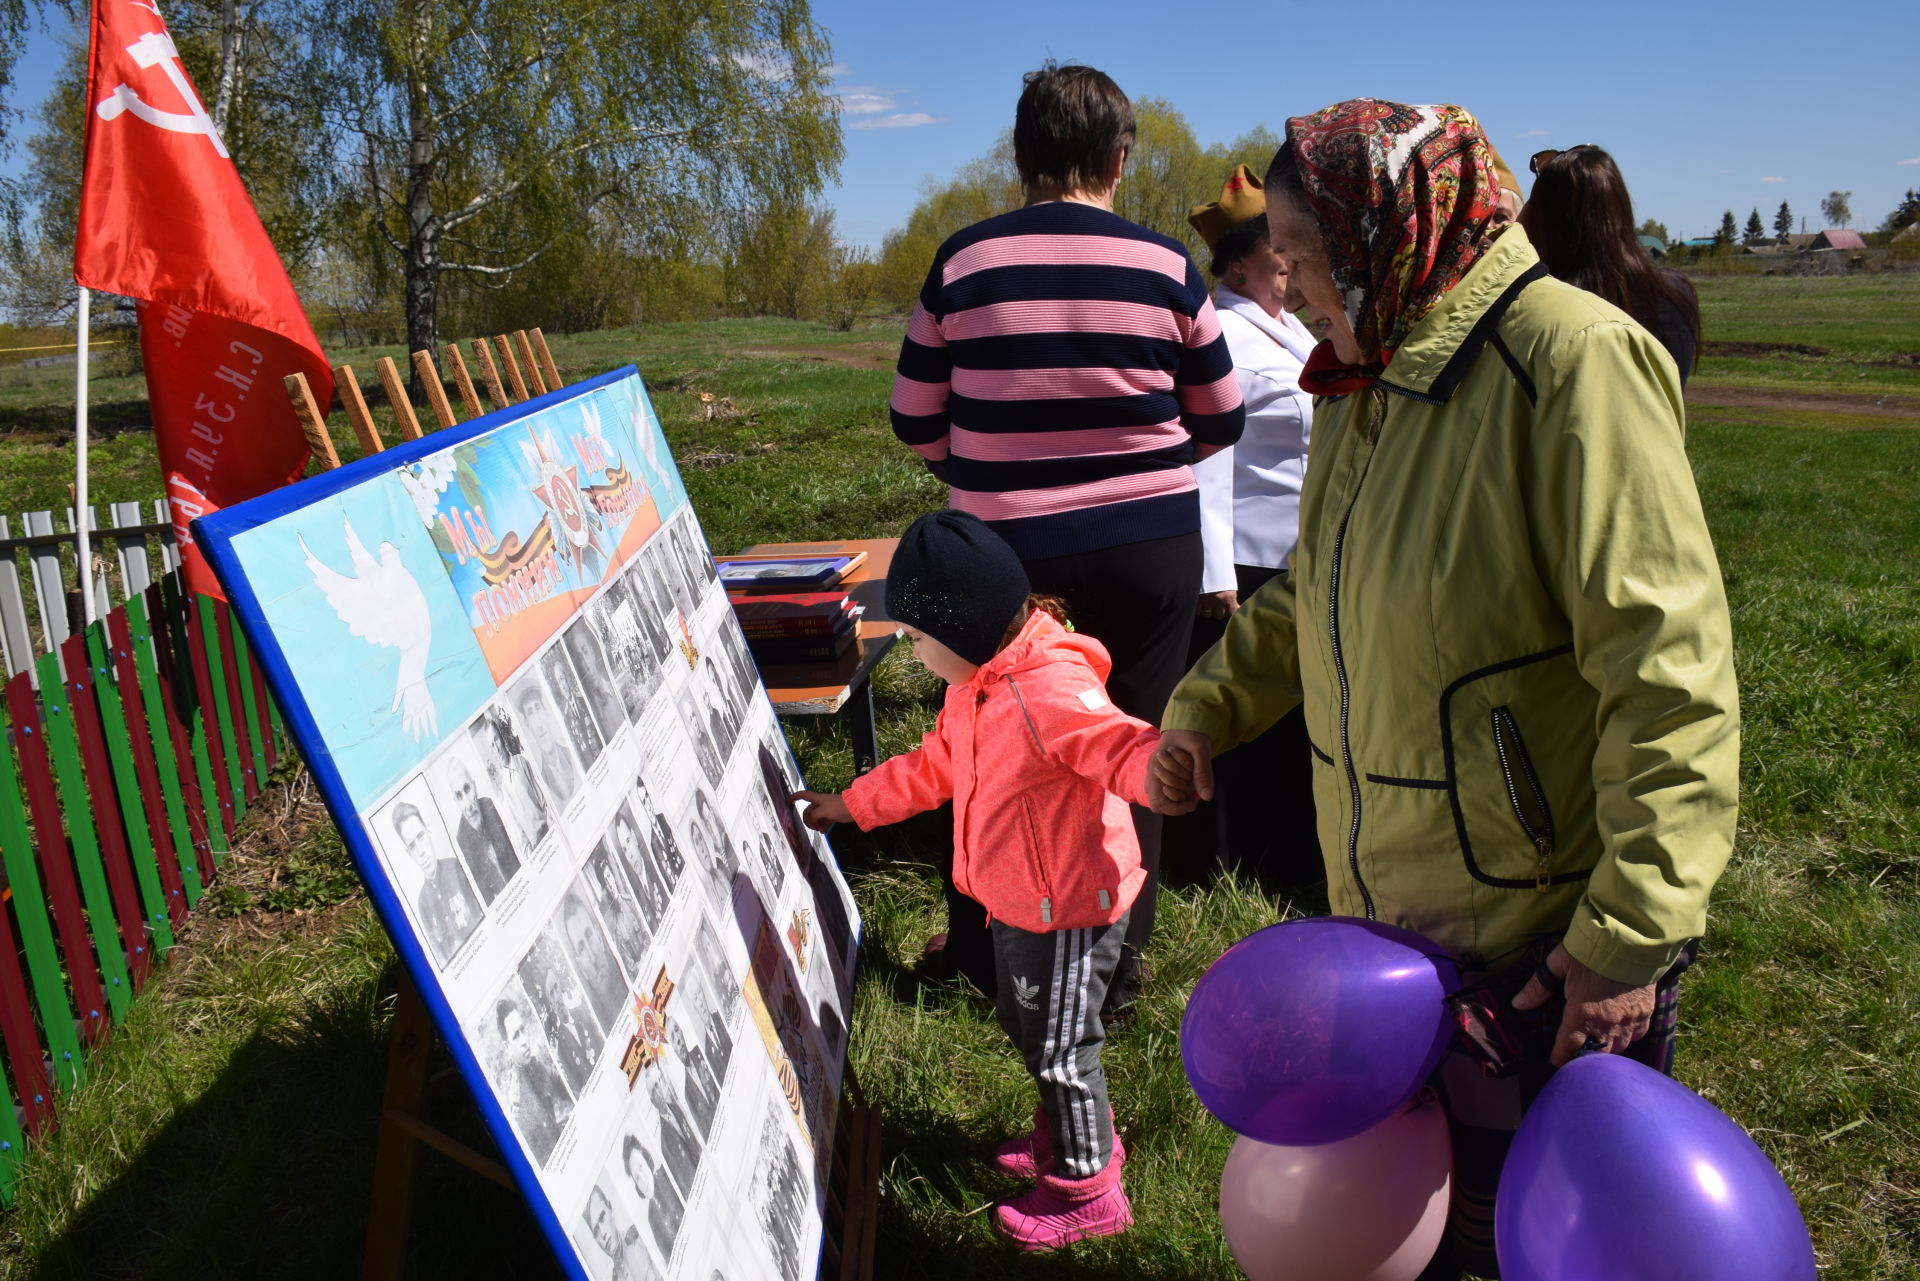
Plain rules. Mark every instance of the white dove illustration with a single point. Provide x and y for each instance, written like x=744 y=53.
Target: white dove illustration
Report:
x=383 y=605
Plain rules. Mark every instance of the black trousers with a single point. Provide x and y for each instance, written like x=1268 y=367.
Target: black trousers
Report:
x=1260 y=824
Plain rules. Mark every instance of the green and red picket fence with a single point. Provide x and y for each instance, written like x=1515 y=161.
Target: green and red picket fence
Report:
x=132 y=753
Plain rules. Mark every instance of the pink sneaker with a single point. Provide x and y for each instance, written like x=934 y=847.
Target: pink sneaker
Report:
x=1023 y=1155
x=1057 y=1211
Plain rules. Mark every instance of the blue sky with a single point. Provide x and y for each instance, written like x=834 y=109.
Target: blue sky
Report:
x=1705 y=107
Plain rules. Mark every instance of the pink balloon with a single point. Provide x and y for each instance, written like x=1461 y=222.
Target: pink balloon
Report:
x=1368 y=1208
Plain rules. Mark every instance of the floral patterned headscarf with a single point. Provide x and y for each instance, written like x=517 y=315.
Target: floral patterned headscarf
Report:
x=1405 y=197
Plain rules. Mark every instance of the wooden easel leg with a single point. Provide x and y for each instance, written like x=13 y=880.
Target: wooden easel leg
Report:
x=853 y=1193
x=411 y=1039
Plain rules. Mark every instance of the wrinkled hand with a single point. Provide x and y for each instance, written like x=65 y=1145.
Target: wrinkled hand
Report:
x=1180 y=775
x=824 y=809
x=1218 y=604
x=1613 y=1014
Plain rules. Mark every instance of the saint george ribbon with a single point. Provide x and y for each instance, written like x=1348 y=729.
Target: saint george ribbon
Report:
x=166 y=221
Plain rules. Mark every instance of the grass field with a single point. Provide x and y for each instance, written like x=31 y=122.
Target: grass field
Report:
x=228 y=1129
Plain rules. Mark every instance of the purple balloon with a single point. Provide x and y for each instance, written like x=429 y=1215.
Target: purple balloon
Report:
x=1619 y=1173
x=1311 y=1031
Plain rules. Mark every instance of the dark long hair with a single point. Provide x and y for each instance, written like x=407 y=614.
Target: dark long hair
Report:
x=1580 y=219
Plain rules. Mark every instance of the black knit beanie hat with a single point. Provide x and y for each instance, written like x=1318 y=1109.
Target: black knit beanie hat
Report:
x=957 y=581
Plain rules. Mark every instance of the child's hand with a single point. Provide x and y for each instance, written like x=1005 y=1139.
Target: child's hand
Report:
x=824 y=809
x=1181 y=773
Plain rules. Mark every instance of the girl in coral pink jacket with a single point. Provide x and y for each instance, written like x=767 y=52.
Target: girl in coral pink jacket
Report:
x=1040 y=767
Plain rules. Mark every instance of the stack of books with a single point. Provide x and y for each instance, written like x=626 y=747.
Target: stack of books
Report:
x=804 y=627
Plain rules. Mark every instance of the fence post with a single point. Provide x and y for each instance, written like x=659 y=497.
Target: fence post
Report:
x=153 y=759
x=63 y=748
x=124 y=780
x=219 y=660
x=177 y=757
x=30 y=911
x=16 y=636
x=49 y=835
x=239 y=707
x=49 y=583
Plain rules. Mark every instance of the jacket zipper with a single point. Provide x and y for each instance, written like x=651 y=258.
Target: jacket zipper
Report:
x=1505 y=728
x=1026 y=809
x=1340 y=665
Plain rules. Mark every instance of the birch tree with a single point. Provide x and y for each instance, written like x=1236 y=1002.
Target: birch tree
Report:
x=477 y=136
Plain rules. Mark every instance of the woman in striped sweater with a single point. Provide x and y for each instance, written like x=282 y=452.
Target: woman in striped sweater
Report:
x=1062 y=371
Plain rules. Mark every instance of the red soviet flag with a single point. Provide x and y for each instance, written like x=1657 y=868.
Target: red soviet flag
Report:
x=165 y=220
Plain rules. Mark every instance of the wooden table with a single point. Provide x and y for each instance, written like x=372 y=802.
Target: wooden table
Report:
x=823 y=689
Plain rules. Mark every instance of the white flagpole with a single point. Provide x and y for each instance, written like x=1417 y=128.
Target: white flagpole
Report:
x=83 y=541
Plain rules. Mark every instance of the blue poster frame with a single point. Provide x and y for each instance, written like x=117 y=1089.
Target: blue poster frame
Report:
x=215 y=534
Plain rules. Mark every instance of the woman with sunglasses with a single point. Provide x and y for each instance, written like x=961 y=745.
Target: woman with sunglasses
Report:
x=1580 y=220
x=1503 y=618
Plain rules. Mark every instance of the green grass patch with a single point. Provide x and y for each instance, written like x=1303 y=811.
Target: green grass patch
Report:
x=1858 y=332
x=229 y=1126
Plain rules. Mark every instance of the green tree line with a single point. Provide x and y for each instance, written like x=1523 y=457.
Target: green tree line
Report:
x=427 y=168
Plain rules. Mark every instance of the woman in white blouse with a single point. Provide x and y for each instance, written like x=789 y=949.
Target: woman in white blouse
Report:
x=1249 y=519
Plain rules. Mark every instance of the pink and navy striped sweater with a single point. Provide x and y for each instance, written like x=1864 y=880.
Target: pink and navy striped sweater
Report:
x=1059 y=366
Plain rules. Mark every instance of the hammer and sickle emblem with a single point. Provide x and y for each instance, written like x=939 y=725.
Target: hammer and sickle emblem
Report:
x=155 y=49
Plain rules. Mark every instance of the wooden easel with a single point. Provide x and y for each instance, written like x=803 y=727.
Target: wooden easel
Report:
x=853 y=1183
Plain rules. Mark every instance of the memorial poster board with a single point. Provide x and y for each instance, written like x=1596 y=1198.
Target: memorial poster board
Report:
x=506 y=657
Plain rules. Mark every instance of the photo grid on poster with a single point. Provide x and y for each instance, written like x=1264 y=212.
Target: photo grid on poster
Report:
x=579 y=808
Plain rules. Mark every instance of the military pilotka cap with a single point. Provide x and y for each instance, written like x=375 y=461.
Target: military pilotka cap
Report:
x=1241 y=198
x=956 y=580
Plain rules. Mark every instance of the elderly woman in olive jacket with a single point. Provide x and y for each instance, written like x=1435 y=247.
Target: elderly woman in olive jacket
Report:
x=1504 y=619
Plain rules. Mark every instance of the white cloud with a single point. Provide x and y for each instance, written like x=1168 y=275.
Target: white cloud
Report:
x=1533 y=133
x=899 y=120
x=1773 y=180
x=768 y=62
x=835 y=70
x=864 y=100
x=1911 y=160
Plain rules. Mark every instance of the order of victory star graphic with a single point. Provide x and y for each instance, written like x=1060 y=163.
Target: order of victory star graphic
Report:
x=558 y=490
x=382 y=604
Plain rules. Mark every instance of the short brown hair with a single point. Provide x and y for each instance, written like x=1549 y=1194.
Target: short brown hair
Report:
x=1070 y=126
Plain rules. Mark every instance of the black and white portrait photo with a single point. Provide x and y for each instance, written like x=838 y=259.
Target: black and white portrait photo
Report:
x=445 y=908
x=687 y=1064
x=664 y=844
x=524 y=1072
x=664 y=1204
x=731 y=647
x=713 y=848
x=651 y=606
x=634 y=660
x=583 y=732
x=479 y=830
x=509 y=771
x=715 y=969
x=630 y=847
x=707 y=698
x=706 y=748
x=596 y=677
x=610 y=1243
x=673 y=590
x=545 y=738
x=780 y=1193
x=612 y=891
x=679 y=1141
x=782 y=781
x=560 y=1003
x=592 y=958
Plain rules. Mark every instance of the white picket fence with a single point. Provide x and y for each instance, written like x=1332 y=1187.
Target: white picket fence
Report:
x=33 y=607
